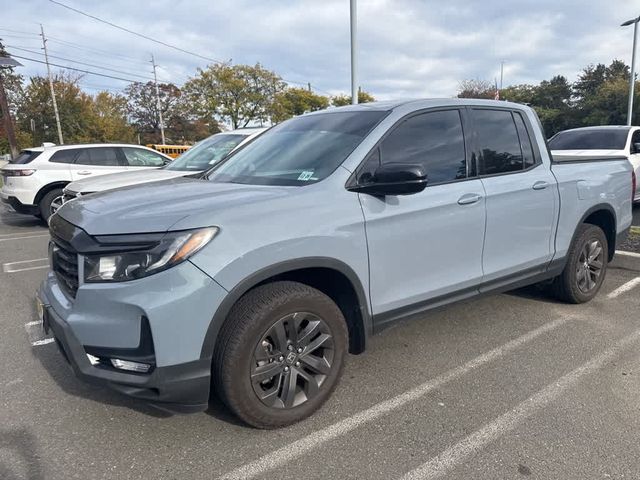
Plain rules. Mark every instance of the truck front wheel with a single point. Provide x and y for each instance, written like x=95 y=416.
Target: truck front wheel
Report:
x=280 y=354
x=586 y=266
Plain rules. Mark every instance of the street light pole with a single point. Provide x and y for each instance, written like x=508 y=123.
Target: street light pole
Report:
x=354 y=46
x=632 y=80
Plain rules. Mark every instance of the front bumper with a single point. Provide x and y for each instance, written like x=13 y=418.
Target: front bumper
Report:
x=110 y=319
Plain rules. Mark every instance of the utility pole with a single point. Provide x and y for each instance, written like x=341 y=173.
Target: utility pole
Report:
x=53 y=95
x=501 y=73
x=155 y=81
x=309 y=85
x=354 y=46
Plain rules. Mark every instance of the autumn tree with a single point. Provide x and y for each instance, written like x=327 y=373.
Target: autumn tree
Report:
x=110 y=123
x=75 y=108
x=476 y=88
x=142 y=107
x=296 y=101
x=237 y=94
x=342 y=100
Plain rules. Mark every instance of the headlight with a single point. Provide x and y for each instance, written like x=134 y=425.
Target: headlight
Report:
x=171 y=249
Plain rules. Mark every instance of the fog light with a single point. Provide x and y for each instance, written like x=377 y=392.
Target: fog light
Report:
x=93 y=360
x=131 y=366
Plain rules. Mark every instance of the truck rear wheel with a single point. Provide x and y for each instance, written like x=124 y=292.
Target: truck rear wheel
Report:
x=280 y=354
x=586 y=266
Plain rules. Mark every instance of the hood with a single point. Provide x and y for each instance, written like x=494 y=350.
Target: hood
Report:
x=157 y=206
x=123 y=179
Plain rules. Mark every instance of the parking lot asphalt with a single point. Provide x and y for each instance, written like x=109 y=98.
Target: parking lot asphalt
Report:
x=508 y=386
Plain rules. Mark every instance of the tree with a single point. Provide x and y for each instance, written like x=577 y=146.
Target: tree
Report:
x=476 y=89
x=238 y=94
x=342 y=100
x=110 y=123
x=74 y=106
x=142 y=108
x=296 y=101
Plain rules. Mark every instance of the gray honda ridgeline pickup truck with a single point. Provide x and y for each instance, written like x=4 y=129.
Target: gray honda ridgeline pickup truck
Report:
x=255 y=280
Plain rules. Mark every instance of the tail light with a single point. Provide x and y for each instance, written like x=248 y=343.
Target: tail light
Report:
x=17 y=173
x=634 y=184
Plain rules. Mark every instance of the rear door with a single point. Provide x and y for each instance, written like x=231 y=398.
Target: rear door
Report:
x=96 y=161
x=521 y=194
x=429 y=244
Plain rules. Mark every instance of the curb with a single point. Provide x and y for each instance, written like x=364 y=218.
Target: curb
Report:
x=626 y=260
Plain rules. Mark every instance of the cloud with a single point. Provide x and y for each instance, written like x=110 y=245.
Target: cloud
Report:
x=407 y=48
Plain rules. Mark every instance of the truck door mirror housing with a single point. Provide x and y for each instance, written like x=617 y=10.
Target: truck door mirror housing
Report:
x=394 y=179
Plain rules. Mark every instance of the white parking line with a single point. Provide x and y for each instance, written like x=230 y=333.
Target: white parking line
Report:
x=22 y=233
x=283 y=455
x=23 y=237
x=624 y=288
x=36 y=334
x=24 y=265
x=458 y=453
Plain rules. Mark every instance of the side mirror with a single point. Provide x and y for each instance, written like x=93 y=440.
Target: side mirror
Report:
x=394 y=179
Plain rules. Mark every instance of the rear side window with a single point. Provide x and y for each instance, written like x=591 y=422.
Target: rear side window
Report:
x=498 y=143
x=590 y=139
x=25 y=156
x=525 y=141
x=434 y=140
x=67 y=155
x=104 y=157
x=139 y=157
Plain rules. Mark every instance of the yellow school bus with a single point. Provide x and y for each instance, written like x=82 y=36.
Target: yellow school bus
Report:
x=172 y=150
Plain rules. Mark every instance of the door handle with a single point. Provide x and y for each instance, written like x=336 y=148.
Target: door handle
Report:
x=84 y=172
x=469 y=199
x=540 y=185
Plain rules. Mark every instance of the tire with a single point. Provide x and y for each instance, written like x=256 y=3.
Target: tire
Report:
x=572 y=286
x=45 y=205
x=249 y=351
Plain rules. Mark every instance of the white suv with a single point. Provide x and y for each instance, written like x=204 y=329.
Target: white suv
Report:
x=33 y=182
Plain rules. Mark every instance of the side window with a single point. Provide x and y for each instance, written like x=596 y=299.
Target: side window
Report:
x=525 y=141
x=138 y=157
x=433 y=140
x=498 y=142
x=67 y=155
x=101 y=156
x=635 y=140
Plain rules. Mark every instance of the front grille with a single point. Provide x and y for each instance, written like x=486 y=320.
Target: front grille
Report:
x=64 y=263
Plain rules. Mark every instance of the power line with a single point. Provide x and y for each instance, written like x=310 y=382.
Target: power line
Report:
x=77 y=69
x=96 y=50
x=19 y=31
x=80 y=63
x=134 y=32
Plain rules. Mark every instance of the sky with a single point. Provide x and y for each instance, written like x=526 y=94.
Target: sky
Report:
x=406 y=48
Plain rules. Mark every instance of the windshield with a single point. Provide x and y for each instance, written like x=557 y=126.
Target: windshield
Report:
x=591 y=139
x=299 y=151
x=205 y=154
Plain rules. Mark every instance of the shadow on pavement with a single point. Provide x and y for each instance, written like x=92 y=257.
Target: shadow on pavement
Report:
x=53 y=362
x=19 y=458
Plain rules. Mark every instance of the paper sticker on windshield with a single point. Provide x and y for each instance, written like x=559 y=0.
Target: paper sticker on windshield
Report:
x=305 y=175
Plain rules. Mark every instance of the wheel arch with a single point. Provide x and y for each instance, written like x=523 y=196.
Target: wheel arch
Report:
x=47 y=188
x=604 y=216
x=331 y=276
